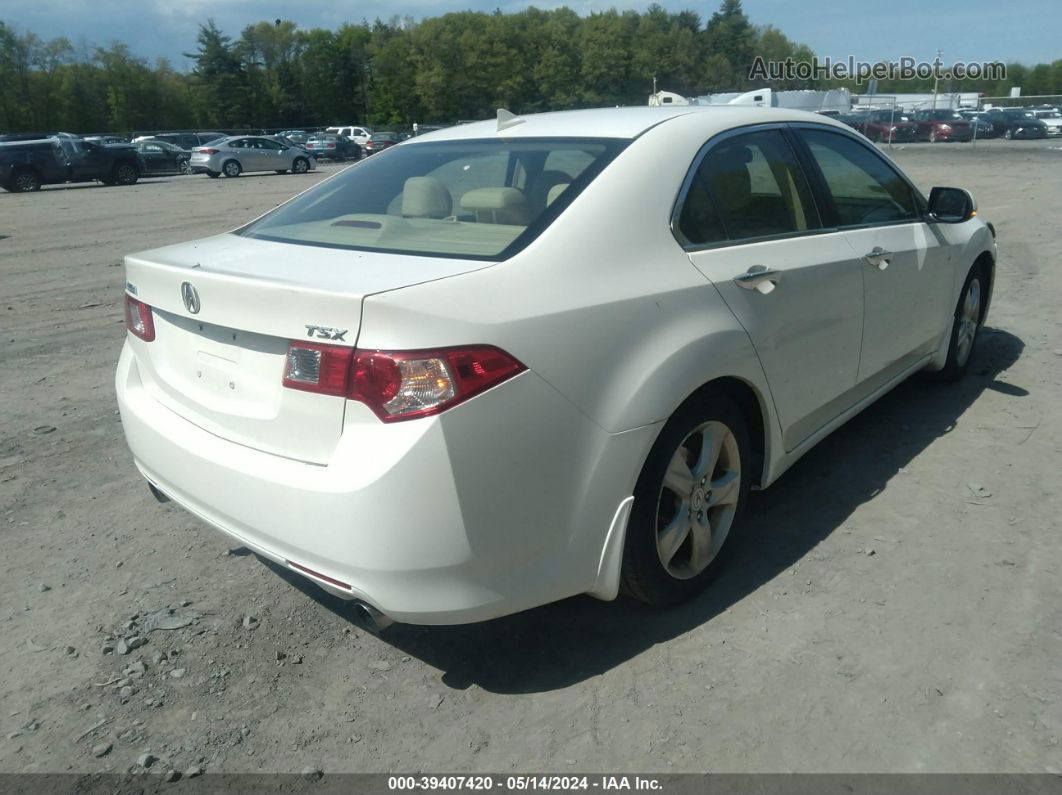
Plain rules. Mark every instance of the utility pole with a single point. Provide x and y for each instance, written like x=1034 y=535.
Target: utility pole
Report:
x=936 y=78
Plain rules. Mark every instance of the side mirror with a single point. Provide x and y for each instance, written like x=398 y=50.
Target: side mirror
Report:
x=951 y=205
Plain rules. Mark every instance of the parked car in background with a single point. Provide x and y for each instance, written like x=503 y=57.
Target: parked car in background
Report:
x=942 y=124
x=162 y=157
x=379 y=386
x=295 y=136
x=982 y=128
x=27 y=165
x=239 y=153
x=185 y=140
x=1016 y=123
x=882 y=126
x=380 y=141
x=106 y=139
x=1052 y=119
x=359 y=135
x=333 y=147
x=283 y=139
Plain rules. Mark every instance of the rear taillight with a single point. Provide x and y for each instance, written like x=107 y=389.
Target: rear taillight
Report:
x=399 y=385
x=138 y=319
x=402 y=385
x=208 y=151
x=318 y=368
x=331 y=146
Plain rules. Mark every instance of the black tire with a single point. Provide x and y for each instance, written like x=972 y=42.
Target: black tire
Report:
x=645 y=576
x=125 y=174
x=213 y=174
x=24 y=181
x=300 y=165
x=960 y=355
x=231 y=169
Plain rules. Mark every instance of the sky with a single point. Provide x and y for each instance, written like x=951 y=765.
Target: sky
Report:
x=964 y=30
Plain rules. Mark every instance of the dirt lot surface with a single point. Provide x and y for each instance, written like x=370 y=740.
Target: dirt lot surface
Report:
x=895 y=604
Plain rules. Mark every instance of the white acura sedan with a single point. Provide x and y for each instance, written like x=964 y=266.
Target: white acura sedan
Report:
x=517 y=360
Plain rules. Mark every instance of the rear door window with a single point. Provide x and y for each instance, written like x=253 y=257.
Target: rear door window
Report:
x=747 y=186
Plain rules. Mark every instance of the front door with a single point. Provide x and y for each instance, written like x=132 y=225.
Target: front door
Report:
x=751 y=226
x=156 y=159
x=905 y=270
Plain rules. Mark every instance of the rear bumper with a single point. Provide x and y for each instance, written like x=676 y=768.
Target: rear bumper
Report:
x=433 y=521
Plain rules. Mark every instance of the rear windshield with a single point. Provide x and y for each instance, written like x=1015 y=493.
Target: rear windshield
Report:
x=473 y=199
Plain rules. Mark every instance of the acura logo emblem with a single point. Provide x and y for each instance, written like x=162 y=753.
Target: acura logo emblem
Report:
x=191 y=298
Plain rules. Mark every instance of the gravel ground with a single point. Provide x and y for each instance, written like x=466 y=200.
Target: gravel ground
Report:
x=894 y=605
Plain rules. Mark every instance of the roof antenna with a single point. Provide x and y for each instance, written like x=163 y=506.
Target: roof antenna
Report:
x=507 y=119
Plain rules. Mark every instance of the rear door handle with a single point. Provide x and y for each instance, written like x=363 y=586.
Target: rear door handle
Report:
x=759 y=278
x=878 y=257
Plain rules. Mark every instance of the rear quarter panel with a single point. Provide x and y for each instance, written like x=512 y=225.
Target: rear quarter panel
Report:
x=605 y=305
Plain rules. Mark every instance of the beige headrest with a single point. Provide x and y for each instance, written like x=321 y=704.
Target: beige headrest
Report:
x=497 y=205
x=426 y=197
x=555 y=192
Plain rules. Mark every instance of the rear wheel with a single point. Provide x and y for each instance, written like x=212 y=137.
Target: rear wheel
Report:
x=300 y=166
x=231 y=169
x=125 y=174
x=24 y=182
x=184 y=167
x=688 y=502
x=213 y=174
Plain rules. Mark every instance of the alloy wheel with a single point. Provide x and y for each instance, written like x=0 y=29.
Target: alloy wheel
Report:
x=698 y=500
x=26 y=182
x=969 y=317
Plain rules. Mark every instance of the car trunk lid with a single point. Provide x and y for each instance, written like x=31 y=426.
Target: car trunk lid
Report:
x=221 y=366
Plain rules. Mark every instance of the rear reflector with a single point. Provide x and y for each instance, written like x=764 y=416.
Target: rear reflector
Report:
x=138 y=319
x=318 y=575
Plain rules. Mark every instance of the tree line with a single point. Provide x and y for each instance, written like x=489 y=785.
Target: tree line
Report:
x=443 y=69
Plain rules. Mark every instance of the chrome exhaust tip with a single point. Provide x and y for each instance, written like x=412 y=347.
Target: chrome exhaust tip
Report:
x=372 y=619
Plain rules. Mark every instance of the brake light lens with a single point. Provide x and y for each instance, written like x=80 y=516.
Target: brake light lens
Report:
x=399 y=385
x=138 y=319
x=208 y=151
x=403 y=385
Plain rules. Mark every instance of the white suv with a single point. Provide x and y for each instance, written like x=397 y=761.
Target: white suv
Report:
x=359 y=135
x=511 y=362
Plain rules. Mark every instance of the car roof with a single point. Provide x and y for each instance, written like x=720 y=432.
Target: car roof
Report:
x=619 y=122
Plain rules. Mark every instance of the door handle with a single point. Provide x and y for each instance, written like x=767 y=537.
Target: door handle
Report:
x=759 y=278
x=878 y=257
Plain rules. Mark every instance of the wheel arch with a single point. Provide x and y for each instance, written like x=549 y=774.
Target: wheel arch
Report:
x=23 y=168
x=753 y=405
x=987 y=263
